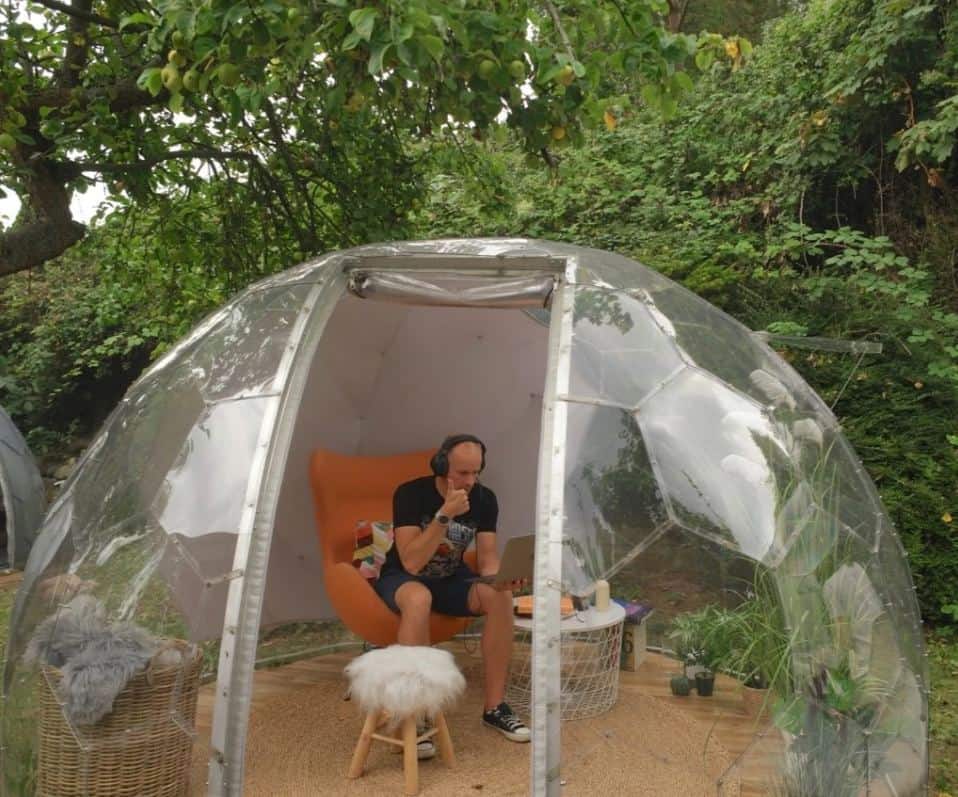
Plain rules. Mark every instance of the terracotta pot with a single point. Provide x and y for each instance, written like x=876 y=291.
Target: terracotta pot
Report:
x=757 y=702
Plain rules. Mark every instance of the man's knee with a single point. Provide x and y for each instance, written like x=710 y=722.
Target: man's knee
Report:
x=413 y=598
x=492 y=601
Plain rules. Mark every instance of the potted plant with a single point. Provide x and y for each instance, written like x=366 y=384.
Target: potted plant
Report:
x=836 y=712
x=757 y=647
x=699 y=640
x=705 y=682
x=680 y=685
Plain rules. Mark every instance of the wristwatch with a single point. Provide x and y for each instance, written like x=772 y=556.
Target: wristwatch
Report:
x=441 y=519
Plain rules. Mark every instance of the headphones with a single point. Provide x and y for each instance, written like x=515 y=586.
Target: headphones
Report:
x=440 y=460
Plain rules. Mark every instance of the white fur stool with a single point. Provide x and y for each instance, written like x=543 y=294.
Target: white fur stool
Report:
x=397 y=687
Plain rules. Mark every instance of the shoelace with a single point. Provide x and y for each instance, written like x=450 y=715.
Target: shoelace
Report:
x=510 y=720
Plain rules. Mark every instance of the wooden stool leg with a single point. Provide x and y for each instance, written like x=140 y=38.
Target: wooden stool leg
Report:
x=444 y=741
x=410 y=756
x=362 y=746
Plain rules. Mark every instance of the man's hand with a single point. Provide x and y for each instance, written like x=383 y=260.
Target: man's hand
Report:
x=457 y=501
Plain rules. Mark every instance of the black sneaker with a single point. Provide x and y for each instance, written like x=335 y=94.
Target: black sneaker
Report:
x=426 y=748
x=504 y=720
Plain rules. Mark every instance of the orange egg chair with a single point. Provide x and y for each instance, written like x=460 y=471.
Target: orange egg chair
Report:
x=349 y=489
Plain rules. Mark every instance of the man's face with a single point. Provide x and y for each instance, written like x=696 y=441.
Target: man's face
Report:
x=465 y=461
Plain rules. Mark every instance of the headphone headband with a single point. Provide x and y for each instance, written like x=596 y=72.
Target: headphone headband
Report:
x=440 y=460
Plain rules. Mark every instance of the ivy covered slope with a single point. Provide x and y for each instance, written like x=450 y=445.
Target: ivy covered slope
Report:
x=810 y=191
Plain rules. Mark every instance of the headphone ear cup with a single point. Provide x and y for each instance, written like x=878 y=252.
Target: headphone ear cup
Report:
x=439 y=463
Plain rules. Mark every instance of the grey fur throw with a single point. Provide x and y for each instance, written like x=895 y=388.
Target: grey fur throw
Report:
x=96 y=657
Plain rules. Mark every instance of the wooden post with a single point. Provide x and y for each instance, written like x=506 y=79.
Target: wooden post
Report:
x=362 y=746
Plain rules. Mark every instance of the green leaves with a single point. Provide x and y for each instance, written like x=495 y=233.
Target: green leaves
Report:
x=664 y=97
x=151 y=80
x=407 y=69
x=931 y=141
x=363 y=20
x=139 y=18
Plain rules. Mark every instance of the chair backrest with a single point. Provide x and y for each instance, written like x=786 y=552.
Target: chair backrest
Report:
x=348 y=489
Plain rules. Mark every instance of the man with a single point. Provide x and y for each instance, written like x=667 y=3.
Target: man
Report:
x=435 y=518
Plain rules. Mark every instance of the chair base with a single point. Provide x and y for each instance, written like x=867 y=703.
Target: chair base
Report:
x=407 y=739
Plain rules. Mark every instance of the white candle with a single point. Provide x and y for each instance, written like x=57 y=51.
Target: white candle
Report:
x=602 y=595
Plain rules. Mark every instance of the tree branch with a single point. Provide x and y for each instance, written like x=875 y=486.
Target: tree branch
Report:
x=554 y=14
x=51 y=232
x=677 y=11
x=75 y=57
x=123 y=96
x=625 y=18
x=79 y=13
x=203 y=153
x=276 y=131
x=33 y=244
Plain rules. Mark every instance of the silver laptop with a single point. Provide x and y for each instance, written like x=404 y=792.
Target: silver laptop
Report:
x=517 y=561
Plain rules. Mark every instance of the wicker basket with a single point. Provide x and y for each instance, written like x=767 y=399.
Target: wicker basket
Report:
x=143 y=748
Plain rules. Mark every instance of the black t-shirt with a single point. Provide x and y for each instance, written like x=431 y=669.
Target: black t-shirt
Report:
x=415 y=503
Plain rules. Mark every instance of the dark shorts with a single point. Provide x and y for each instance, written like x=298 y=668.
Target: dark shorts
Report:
x=450 y=594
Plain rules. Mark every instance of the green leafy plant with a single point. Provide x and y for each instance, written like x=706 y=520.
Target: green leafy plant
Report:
x=699 y=636
x=757 y=648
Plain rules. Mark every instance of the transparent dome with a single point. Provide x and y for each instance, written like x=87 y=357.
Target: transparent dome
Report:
x=22 y=499
x=648 y=440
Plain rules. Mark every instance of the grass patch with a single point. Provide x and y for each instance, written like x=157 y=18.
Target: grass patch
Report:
x=6 y=606
x=943 y=665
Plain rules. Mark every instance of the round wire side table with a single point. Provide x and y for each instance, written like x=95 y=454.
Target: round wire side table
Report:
x=591 y=645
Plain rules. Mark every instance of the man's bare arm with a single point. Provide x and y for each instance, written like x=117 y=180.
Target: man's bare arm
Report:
x=416 y=546
x=486 y=553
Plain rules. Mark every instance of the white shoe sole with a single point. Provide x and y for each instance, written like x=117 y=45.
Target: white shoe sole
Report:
x=425 y=751
x=512 y=737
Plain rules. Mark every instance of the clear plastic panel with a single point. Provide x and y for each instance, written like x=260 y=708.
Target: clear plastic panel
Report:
x=198 y=571
x=291 y=642
x=721 y=463
x=757 y=769
x=899 y=731
x=833 y=746
x=612 y=501
x=130 y=553
x=853 y=498
x=719 y=344
x=130 y=458
x=599 y=267
x=676 y=573
x=678 y=591
x=21 y=492
x=205 y=486
x=838 y=617
x=851 y=653
x=55 y=551
x=112 y=621
x=829 y=501
x=823 y=752
x=889 y=567
x=240 y=355
x=619 y=352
